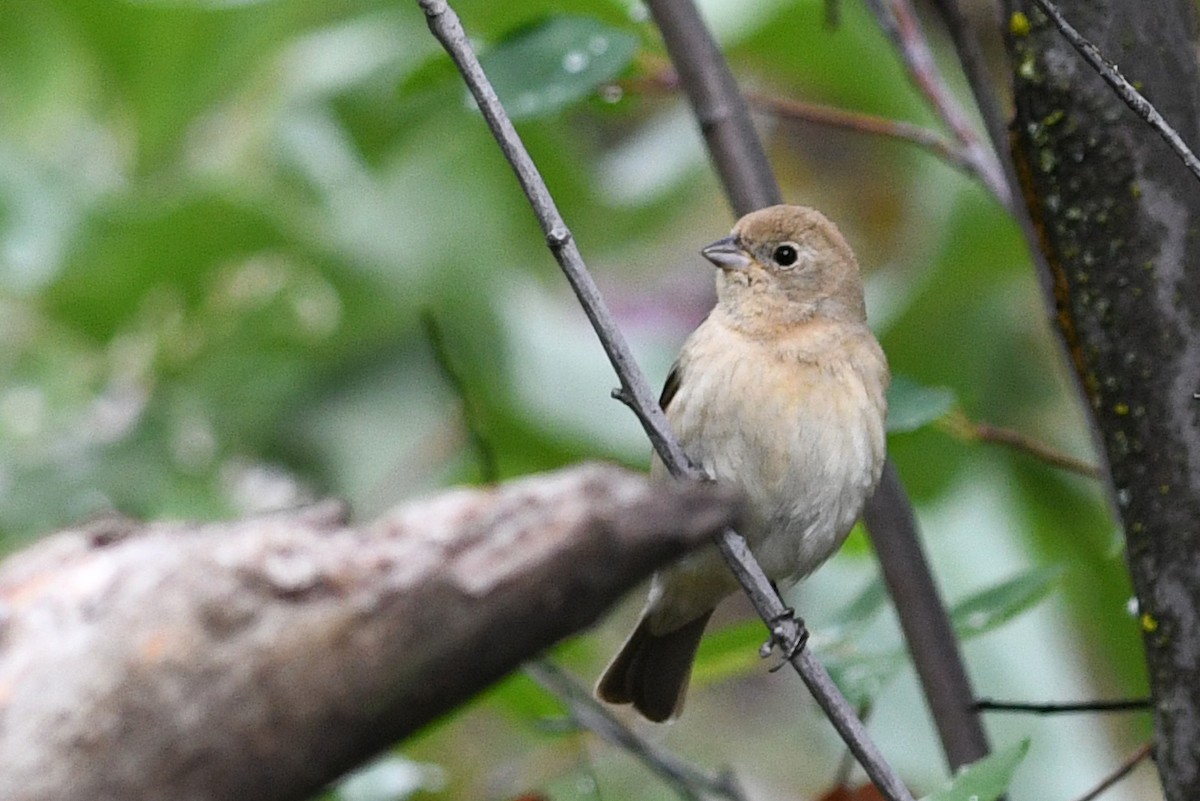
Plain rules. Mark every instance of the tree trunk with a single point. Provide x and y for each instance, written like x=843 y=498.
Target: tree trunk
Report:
x=1118 y=216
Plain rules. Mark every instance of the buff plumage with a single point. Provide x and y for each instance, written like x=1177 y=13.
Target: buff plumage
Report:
x=780 y=392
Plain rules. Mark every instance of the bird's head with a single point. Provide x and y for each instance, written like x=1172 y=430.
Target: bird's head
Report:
x=786 y=265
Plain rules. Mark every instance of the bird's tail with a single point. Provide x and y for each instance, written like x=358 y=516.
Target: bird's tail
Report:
x=651 y=671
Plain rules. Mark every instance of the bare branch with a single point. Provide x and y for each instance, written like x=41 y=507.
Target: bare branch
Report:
x=898 y=20
x=785 y=629
x=262 y=658
x=748 y=180
x=928 y=631
x=995 y=122
x=1124 y=705
x=1124 y=89
x=445 y=26
x=931 y=141
x=1123 y=770
x=720 y=109
x=665 y=79
x=889 y=515
x=959 y=425
x=689 y=781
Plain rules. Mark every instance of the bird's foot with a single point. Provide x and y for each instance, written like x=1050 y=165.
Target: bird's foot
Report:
x=788 y=634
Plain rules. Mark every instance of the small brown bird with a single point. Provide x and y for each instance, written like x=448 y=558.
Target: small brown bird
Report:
x=780 y=391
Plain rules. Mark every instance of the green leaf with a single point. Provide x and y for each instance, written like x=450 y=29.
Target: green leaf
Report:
x=999 y=604
x=545 y=68
x=912 y=406
x=985 y=780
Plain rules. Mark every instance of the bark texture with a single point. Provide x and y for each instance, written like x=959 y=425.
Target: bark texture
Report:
x=262 y=658
x=1118 y=216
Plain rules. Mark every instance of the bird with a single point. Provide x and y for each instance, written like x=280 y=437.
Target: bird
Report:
x=781 y=393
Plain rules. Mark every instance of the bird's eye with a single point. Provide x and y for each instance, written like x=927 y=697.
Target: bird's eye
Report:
x=785 y=255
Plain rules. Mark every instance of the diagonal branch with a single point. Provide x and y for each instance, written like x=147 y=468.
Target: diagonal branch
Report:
x=889 y=516
x=995 y=122
x=1121 y=771
x=961 y=426
x=1124 y=89
x=785 y=629
x=714 y=95
x=445 y=25
x=689 y=781
x=665 y=79
x=898 y=20
x=932 y=141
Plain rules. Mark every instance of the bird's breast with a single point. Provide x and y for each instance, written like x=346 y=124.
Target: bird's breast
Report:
x=798 y=424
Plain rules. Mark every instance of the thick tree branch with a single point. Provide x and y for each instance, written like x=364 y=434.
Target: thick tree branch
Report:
x=1117 y=216
x=262 y=658
x=889 y=515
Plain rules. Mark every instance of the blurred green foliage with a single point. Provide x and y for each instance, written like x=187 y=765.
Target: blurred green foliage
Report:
x=221 y=220
x=985 y=780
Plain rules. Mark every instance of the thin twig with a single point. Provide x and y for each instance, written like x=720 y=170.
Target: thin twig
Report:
x=995 y=122
x=889 y=516
x=1124 y=89
x=1123 y=705
x=688 y=780
x=934 y=142
x=488 y=471
x=841 y=777
x=820 y=114
x=898 y=20
x=962 y=427
x=785 y=629
x=1123 y=770
x=446 y=27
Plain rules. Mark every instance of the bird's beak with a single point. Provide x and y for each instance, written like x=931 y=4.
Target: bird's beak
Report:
x=727 y=254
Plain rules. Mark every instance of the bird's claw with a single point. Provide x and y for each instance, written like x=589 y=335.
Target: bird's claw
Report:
x=790 y=639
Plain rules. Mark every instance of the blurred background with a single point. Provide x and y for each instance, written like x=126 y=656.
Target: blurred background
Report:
x=232 y=232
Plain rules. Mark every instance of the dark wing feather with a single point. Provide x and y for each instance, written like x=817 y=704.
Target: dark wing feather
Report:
x=670 y=387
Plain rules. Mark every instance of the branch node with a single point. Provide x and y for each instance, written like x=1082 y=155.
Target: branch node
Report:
x=558 y=237
x=433 y=8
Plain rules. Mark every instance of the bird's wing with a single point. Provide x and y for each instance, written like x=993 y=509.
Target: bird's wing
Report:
x=670 y=387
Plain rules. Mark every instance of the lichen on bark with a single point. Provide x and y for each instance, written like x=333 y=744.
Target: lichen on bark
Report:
x=1115 y=209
